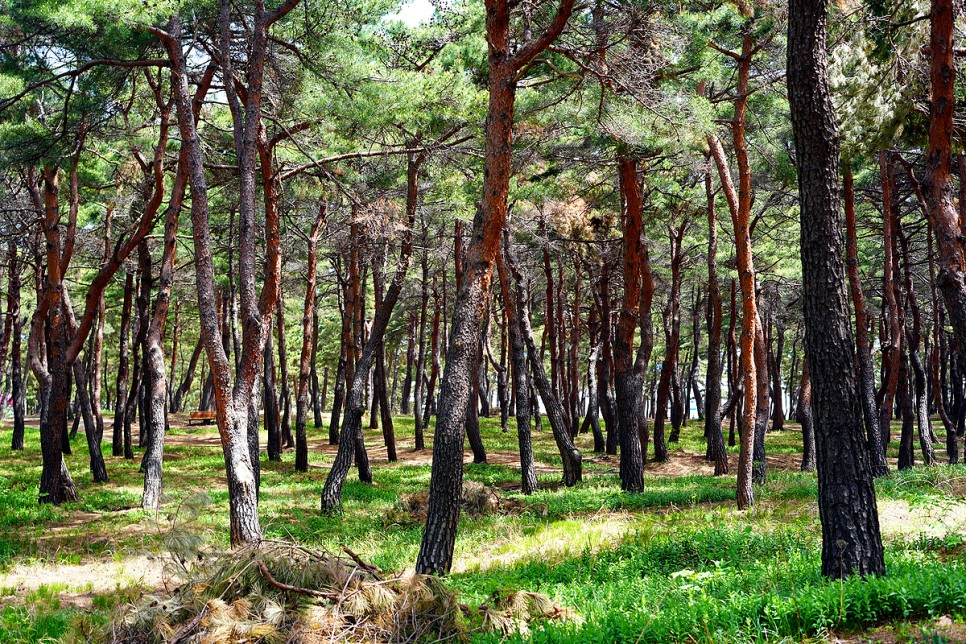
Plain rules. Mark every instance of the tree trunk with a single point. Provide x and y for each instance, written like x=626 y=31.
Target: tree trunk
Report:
x=937 y=184
x=418 y=421
x=569 y=454
x=285 y=396
x=521 y=379
x=635 y=311
x=352 y=438
x=804 y=416
x=306 y=355
x=13 y=309
x=154 y=346
x=712 y=388
x=851 y=542
x=118 y=446
x=446 y=481
x=270 y=404
x=863 y=351
x=177 y=402
x=318 y=398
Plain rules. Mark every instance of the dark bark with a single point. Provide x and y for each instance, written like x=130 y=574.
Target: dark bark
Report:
x=521 y=379
x=16 y=375
x=672 y=338
x=270 y=403
x=407 y=388
x=712 y=389
x=569 y=454
x=608 y=404
x=851 y=542
x=284 y=395
x=419 y=422
x=177 y=401
x=118 y=444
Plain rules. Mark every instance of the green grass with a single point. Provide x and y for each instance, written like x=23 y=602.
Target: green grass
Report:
x=674 y=563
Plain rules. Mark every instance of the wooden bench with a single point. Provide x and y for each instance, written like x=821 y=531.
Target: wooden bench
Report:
x=202 y=417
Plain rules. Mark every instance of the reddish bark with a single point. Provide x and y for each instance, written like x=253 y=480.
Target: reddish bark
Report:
x=439 y=537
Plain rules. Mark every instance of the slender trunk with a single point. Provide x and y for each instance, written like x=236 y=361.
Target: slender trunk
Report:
x=177 y=402
x=863 y=352
x=712 y=389
x=419 y=423
x=803 y=415
x=120 y=405
x=569 y=454
x=352 y=437
x=307 y=353
x=270 y=404
x=521 y=380
x=407 y=388
x=154 y=346
x=285 y=396
x=13 y=309
x=318 y=399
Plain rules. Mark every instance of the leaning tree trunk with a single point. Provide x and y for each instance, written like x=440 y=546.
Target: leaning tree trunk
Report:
x=352 y=438
x=851 y=542
x=446 y=481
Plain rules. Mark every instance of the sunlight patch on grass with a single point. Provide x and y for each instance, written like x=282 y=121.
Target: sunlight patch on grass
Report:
x=551 y=542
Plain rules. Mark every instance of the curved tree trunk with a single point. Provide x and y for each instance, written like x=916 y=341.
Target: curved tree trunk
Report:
x=352 y=438
x=446 y=482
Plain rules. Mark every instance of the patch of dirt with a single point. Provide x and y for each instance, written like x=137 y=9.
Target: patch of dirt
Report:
x=78 y=584
x=943 y=629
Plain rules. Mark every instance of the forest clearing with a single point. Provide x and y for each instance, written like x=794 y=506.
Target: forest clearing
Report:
x=654 y=565
x=482 y=320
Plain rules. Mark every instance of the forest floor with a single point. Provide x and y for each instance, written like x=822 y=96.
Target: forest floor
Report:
x=677 y=562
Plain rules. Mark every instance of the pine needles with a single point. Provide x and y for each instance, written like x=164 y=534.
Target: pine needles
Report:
x=280 y=591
